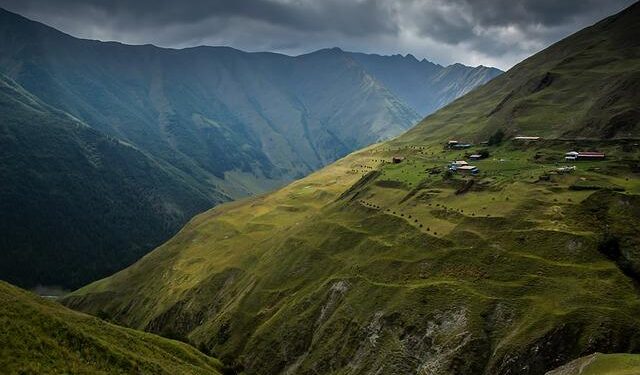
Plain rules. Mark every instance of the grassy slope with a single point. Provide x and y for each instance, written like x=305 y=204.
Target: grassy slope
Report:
x=586 y=85
x=601 y=364
x=371 y=267
x=43 y=337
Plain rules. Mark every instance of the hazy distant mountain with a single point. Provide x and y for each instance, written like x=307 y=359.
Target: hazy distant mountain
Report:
x=423 y=85
x=214 y=120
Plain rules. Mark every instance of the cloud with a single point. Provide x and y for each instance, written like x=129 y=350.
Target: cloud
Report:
x=488 y=32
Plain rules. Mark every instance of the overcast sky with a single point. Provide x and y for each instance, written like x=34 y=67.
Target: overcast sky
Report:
x=489 y=32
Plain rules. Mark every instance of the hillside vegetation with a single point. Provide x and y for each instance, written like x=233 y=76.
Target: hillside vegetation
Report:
x=585 y=86
x=374 y=267
x=209 y=124
x=42 y=337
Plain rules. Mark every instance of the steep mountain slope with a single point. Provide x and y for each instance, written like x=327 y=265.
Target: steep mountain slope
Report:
x=369 y=266
x=423 y=85
x=206 y=125
x=43 y=337
x=77 y=205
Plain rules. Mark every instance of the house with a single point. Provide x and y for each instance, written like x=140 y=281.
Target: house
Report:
x=461 y=145
x=457 y=164
x=475 y=157
x=451 y=143
x=397 y=159
x=571 y=155
x=590 y=155
x=527 y=139
x=468 y=169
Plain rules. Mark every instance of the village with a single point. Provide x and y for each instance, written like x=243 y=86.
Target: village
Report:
x=464 y=167
x=432 y=186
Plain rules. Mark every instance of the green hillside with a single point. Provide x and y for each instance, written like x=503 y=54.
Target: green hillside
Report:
x=42 y=337
x=374 y=267
x=585 y=86
x=601 y=364
x=76 y=204
x=202 y=125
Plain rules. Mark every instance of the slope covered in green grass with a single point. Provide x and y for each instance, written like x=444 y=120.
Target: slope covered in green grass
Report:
x=585 y=86
x=374 y=267
x=43 y=337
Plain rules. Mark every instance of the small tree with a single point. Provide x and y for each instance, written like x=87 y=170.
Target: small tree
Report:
x=484 y=153
x=496 y=138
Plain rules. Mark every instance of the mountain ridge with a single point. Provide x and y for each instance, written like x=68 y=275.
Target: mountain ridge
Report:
x=216 y=121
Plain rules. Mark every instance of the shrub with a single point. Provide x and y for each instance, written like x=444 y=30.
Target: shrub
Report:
x=496 y=138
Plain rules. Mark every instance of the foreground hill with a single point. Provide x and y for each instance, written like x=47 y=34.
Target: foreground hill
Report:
x=217 y=122
x=42 y=337
x=370 y=267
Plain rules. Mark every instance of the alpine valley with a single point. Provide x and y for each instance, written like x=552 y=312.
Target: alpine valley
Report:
x=387 y=261
x=107 y=149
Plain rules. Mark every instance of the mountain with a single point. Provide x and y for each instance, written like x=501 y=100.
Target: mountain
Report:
x=211 y=124
x=244 y=121
x=77 y=204
x=377 y=264
x=423 y=85
x=43 y=337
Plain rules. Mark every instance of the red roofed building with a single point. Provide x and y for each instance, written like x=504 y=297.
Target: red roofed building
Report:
x=590 y=155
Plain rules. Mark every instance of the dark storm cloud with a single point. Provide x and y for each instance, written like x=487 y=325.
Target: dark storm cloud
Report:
x=455 y=21
x=490 y=32
x=349 y=17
